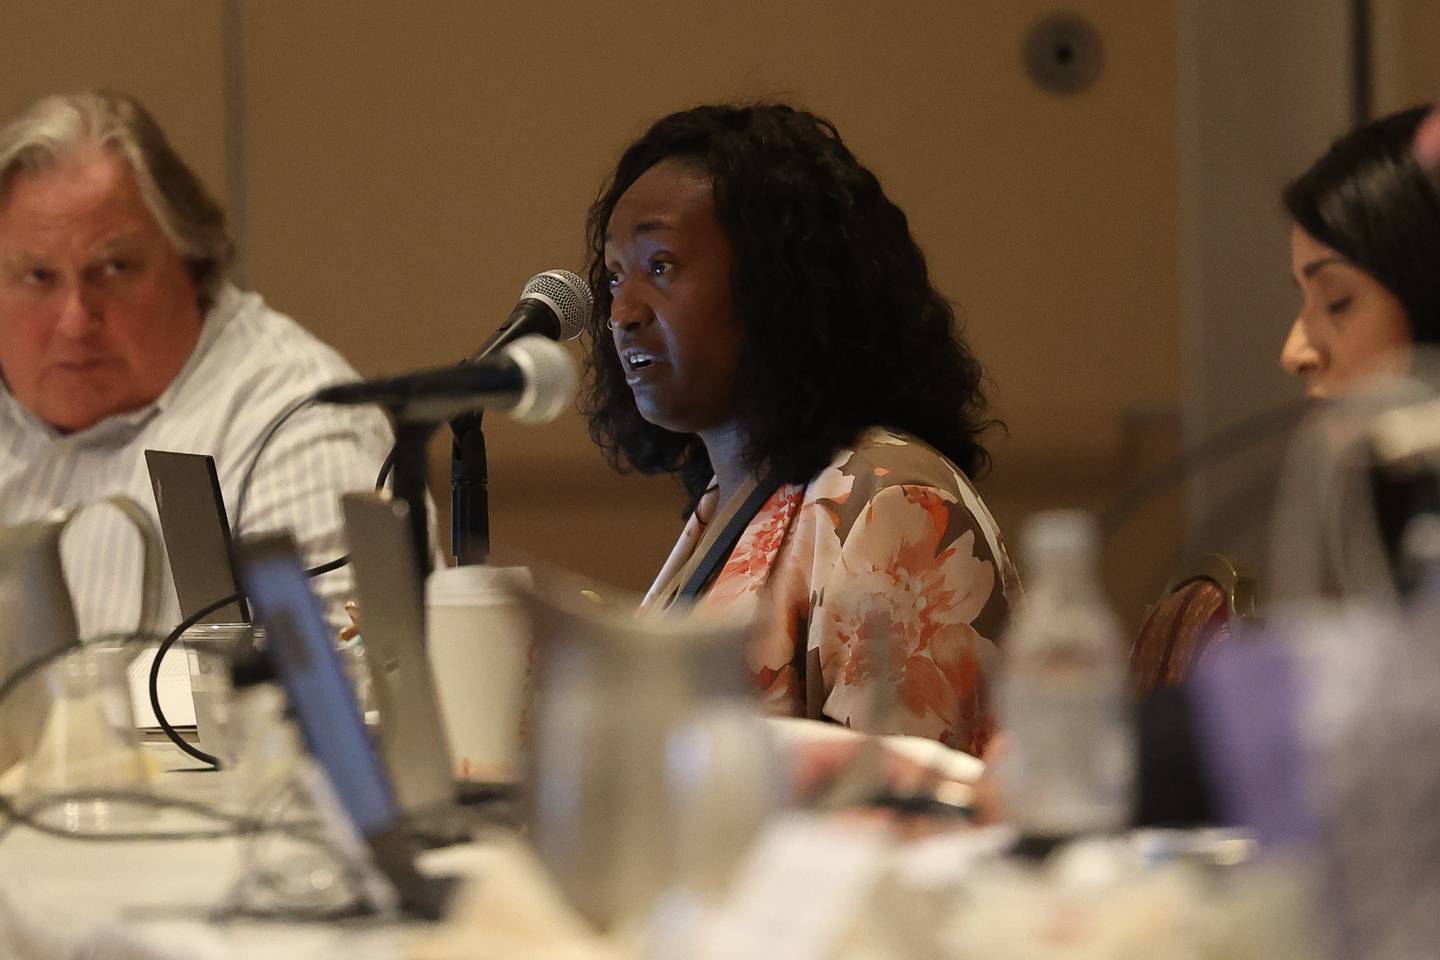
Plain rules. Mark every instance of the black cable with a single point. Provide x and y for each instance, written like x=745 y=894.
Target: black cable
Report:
x=242 y=826
x=154 y=680
x=234 y=825
x=153 y=683
x=27 y=669
x=237 y=824
x=240 y=501
x=386 y=467
x=32 y=666
x=270 y=431
x=24 y=672
x=265 y=439
x=1232 y=439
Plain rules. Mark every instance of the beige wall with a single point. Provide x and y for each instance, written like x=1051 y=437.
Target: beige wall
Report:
x=408 y=166
x=168 y=52
x=1264 y=87
x=408 y=173
x=401 y=169
x=1406 y=50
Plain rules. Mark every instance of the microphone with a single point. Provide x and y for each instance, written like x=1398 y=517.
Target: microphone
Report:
x=553 y=304
x=533 y=379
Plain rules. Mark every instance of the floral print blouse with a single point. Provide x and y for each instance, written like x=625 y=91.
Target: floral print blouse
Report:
x=888 y=549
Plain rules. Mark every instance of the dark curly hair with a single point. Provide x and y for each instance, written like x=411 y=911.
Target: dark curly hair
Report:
x=842 y=329
x=1369 y=199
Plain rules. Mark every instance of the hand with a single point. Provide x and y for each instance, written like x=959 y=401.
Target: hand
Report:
x=989 y=807
x=862 y=778
x=818 y=766
x=352 y=609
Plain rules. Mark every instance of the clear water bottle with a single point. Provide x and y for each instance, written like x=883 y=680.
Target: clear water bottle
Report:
x=1065 y=705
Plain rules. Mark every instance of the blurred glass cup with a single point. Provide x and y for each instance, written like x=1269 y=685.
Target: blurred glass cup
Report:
x=650 y=766
x=37 y=619
x=210 y=648
x=87 y=745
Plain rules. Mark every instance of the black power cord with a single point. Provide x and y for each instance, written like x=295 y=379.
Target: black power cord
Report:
x=230 y=824
x=154 y=679
x=1233 y=439
x=39 y=662
x=236 y=824
x=265 y=439
x=28 y=817
x=243 y=497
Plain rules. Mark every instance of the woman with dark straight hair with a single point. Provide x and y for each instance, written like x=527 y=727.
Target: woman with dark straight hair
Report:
x=1365 y=253
x=765 y=329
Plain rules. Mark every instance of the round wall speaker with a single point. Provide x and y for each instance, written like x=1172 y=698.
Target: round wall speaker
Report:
x=1063 y=54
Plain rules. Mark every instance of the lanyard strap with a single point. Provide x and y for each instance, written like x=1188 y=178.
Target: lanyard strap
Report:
x=729 y=536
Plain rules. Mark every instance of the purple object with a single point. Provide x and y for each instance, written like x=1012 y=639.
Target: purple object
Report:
x=1246 y=699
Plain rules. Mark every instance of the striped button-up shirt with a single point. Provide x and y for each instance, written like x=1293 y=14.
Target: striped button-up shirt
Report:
x=249 y=364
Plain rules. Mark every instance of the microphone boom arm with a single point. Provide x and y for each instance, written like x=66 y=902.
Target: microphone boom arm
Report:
x=469 y=491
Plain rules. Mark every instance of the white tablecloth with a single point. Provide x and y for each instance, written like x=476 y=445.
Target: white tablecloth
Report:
x=62 y=899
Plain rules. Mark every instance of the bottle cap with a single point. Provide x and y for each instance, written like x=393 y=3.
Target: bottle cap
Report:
x=1060 y=532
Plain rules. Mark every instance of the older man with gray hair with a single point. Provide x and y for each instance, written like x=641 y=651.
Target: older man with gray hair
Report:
x=120 y=332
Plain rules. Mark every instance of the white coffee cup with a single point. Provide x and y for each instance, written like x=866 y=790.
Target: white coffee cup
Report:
x=478 y=642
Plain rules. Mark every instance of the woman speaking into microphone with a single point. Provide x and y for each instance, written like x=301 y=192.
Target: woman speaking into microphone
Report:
x=765 y=329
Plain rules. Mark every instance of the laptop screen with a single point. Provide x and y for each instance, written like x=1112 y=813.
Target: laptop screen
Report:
x=304 y=656
x=413 y=740
x=192 y=516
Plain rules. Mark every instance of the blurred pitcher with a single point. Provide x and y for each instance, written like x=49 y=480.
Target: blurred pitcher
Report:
x=37 y=620
x=650 y=766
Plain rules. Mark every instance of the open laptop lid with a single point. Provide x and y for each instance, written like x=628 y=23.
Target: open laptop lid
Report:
x=392 y=610
x=300 y=648
x=196 y=531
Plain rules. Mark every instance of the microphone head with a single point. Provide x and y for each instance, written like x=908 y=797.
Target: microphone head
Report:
x=565 y=293
x=550 y=378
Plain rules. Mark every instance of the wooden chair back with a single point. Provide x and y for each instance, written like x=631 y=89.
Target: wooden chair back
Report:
x=1198 y=609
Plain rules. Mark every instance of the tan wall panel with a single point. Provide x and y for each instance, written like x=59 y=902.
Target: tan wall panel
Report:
x=169 y=53
x=411 y=166
x=1264 y=87
x=1406 y=53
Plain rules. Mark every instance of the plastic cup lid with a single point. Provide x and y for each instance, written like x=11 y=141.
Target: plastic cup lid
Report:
x=475 y=584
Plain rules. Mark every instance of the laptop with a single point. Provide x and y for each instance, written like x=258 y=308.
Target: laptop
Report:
x=392 y=610
x=300 y=648
x=196 y=532
x=392 y=627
